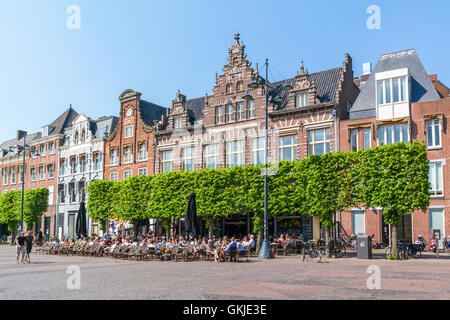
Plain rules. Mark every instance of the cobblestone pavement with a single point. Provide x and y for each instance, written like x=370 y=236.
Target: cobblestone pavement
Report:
x=280 y=278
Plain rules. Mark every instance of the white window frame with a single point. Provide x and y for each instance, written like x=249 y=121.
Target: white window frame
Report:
x=229 y=112
x=251 y=109
x=185 y=157
x=178 y=122
x=282 y=147
x=392 y=126
x=207 y=155
x=240 y=111
x=433 y=123
x=96 y=160
x=142 y=152
x=353 y=220
x=364 y=138
x=326 y=141
x=256 y=148
x=219 y=115
x=13 y=175
x=33 y=174
x=129 y=132
x=302 y=99
x=43 y=150
x=52 y=148
x=114 y=157
x=51 y=173
x=436 y=193
x=41 y=173
x=114 y=176
x=354 y=140
x=164 y=160
x=5 y=176
x=127 y=154
x=231 y=153
x=142 y=171
x=83 y=164
x=127 y=174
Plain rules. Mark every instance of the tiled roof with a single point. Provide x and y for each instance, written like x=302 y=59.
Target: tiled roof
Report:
x=149 y=112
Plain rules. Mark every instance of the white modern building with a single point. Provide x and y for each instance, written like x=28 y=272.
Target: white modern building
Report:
x=80 y=162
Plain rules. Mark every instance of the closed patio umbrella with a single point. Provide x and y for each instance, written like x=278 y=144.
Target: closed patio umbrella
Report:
x=81 y=227
x=194 y=219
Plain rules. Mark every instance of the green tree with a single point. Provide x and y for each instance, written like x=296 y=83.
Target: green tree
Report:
x=395 y=178
x=35 y=205
x=10 y=211
x=102 y=201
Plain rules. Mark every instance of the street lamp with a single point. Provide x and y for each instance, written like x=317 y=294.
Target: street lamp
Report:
x=266 y=252
x=24 y=148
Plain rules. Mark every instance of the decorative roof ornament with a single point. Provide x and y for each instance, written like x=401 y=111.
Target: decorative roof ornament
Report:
x=216 y=82
x=237 y=37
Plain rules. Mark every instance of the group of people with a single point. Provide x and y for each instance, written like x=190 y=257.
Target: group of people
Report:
x=219 y=246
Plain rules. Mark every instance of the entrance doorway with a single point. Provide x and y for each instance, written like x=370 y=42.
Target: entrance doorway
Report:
x=71 y=226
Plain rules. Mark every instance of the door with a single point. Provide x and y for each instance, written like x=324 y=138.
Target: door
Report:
x=47 y=227
x=71 y=226
x=358 y=222
x=437 y=223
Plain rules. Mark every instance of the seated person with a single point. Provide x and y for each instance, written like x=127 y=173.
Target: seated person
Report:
x=252 y=243
x=232 y=243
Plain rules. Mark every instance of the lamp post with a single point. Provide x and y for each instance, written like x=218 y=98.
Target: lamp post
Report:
x=265 y=252
x=24 y=149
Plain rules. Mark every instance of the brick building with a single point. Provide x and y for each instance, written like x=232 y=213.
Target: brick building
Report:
x=224 y=130
x=41 y=165
x=400 y=102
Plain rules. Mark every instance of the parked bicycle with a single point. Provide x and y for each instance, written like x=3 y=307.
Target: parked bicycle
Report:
x=334 y=248
x=311 y=251
x=402 y=251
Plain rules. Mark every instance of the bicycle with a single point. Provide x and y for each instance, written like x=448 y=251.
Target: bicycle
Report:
x=334 y=247
x=402 y=251
x=310 y=249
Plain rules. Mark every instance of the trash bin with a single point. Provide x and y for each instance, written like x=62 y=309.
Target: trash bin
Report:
x=364 y=247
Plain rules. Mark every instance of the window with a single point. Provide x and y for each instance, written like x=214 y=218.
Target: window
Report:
x=5 y=176
x=235 y=153
x=33 y=174
x=319 y=141
x=114 y=157
x=20 y=174
x=219 y=115
x=367 y=138
x=127 y=174
x=142 y=171
x=229 y=88
x=61 y=193
x=178 y=122
x=433 y=133
x=389 y=134
x=240 y=112
x=101 y=132
x=251 y=109
x=128 y=132
x=73 y=165
x=302 y=100
x=83 y=136
x=43 y=150
x=97 y=161
x=188 y=162
x=166 y=158
x=358 y=222
x=76 y=138
x=51 y=171
x=287 y=148
x=72 y=193
x=114 y=176
x=13 y=175
x=42 y=173
x=50 y=195
x=62 y=167
x=230 y=113
x=83 y=164
x=128 y=156
x=391 y=90
x=354 y=140
x=240 y=86
x=436 y=178
x=143 y=152
x=52 y=148
x=257 y=151
x=211 y=155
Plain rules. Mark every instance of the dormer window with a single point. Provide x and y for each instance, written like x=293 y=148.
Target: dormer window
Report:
x=178 y=122
x=391 y=90
x=302 y=99
x=392 y=94
x=45 y=131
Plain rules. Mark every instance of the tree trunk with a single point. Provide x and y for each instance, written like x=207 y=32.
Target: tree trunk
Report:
x=211 y=228
x=259 y=240
x=327 y=237
x=13 y=238
x=394 y=241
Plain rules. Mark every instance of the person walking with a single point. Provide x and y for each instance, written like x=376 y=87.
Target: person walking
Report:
x=20 y=246
x=29 y=246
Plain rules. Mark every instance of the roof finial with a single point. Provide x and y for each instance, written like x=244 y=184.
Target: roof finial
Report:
x=237 y=37
x=302 y=67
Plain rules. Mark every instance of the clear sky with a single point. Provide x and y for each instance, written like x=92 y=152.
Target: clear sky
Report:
x=157 y=47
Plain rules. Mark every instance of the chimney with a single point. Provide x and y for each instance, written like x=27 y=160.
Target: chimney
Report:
x=433 y=77
x=20 y=134
x=367 y=68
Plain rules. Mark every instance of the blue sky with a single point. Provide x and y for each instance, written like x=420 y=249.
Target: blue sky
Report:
x=157 y=47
